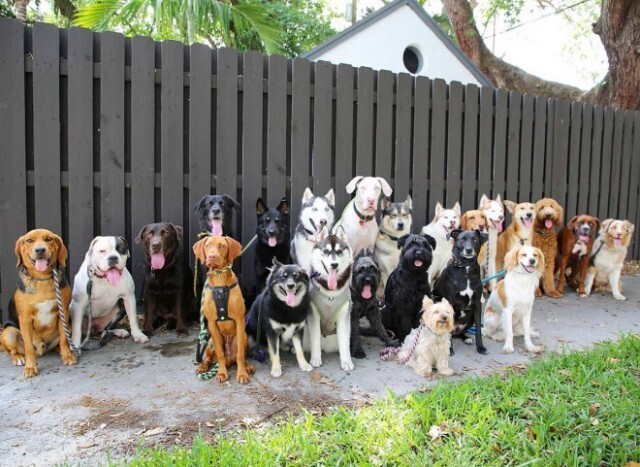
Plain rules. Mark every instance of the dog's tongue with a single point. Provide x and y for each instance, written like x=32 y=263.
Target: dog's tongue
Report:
x=157 y=261
x=113 y=276
x=272 y=241
x=585 y=238
x=366 y=292
x=216 y=227
x=548 y=223
x=497 y=225
x=41 y=265
x=527 y=223
x=418 y=263
x=291 y=298
x=616 y=242
x=332 y=281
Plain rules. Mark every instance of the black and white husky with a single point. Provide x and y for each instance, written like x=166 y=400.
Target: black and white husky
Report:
x=317 y=212
x=396 y=222
x=280 y=312
x=330 y=298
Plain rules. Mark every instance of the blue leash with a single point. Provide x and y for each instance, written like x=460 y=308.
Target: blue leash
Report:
x=472 y=329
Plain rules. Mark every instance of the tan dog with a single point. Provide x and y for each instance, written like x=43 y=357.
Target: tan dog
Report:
x=434 y=341
x=226 y=319
x=474 y=220
x=575 y=243
x=508 y=310
x=609 y=252
x=34 y=305
x=548 y=215
x=518 y=233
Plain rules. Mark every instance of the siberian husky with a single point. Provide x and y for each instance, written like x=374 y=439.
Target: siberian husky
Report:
x=444 y=222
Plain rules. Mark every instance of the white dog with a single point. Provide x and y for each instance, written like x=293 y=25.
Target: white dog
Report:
x=443 y=223
x=359 y=216
x=508 y=310
x=105 y=266
x=493 y=209
x=434 y=340
x=608 y=254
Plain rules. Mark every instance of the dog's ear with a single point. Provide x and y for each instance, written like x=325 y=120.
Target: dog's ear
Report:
x=541 y=263
x=572 y=222
x=199 y=206
x=606 y=224
x=402 y=240
x=18 y=251
x=511 y=259
x=498 y=199
x=231 y=201
x=341 y=234
x=324 y=233
x=261 y=208
x=454 y=234
x=198 y=249
x=276 y=264
x=484 y=237
x=457 y=209
x=283 y=207
x=630 y=227
x=427 y=303
x=444 y=301
x=510 y=205
x=331 y=197
x=63 y=254
x=122 y=246
x=484 y=201
x=430 y=240
x=386 y=188
x=561 y=211
x=234 y=249
x=142 y=234
x=351 y=186
x=597 y=227
x=463 y=220
x=178 y=229
x=409 y=202
x=89 y=253
x=384 y=202
x=439 y=209
x=307 y=195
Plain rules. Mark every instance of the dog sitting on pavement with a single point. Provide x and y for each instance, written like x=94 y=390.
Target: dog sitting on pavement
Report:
x=443 y=223
x=110 y=296
x=279 y=313
x=493 y=209
x=215 y=213
x=272 y=229
x=316 y=213
x=396 y=222
x=575 y=243
x=518 y=233
x=508 y=310
x=461 y=284
x=548 y=215
x=359 y=216
x=364 y=303
x=167 y=278
x=407 y=285
x=427 y=347
x=223 y=309
x=34 y=327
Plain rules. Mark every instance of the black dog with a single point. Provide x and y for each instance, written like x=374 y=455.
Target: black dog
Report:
x=461 y=284
x=280 y=313
x=407 y=285
x=215 y=213
x=167 y=278
x=273 y=238
x=364 y=283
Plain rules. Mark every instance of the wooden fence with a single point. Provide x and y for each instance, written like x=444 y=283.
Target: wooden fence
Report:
x=101 y=134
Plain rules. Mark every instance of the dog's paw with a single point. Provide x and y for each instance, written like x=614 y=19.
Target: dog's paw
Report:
x=445 y=371
x=121 y=333
x=316 y=362
x=507 y=348
x=534 y=334
x=346 y=365
x=554 y=294
x=223 y=377
x=583 y=295
x=535 y=349
x=468 y=340
x=619 y=296
x=425 y=372
x=276 y=371
x=30 y=371
x=358 y=353
x=69 y=359
x=18 y=360
x=483 y=350
x=538 y=293
x=140 y=338
x=304 y=366
x=250 y=368
x=243 y=378
x=202 y=368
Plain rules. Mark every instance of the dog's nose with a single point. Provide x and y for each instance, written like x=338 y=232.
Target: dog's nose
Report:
x=216 y=210
x=323 y=222
x=155 y=245
x=548 y=216
x=334 y=265
x=468 y=251
x=532 y=261
x=529 y=215
x=271 y=231
x=400 y=225
x=291 y=285
x=113 y=259
x=40 y=250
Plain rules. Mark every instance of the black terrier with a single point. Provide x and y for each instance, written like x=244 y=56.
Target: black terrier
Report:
x=273 y=238
x=215 y=213
x=461 y=284
x=407 y=285
x=364 y=283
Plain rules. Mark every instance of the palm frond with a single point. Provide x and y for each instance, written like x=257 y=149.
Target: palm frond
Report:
x=98 y=15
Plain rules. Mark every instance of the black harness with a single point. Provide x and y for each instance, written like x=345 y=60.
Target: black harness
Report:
x=221 y=299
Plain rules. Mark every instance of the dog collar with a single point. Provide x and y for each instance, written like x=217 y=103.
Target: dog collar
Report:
x=363 y=219
x=30 y=282
x=383 y=234
x=212 y=272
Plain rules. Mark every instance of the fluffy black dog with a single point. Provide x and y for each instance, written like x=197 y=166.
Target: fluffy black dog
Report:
x=280 y=313
x=407 y=285
x=461 y=284
x=364 y=283
x=274 y=238
x=215 y=213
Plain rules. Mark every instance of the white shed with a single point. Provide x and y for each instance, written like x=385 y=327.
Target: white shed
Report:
x=400 y=37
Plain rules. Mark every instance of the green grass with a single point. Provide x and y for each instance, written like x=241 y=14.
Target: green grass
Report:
x=568 y=410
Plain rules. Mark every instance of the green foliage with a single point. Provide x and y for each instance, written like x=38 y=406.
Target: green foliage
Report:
x=5 y=9
x=571 y=409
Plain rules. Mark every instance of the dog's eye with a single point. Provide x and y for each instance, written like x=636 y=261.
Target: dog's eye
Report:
x=163 y=233
x=326 y=209
x=277 y=220
x=102 y=252
x=314 y=209
x=221 y=203
x=48 y=239
x=285 y=275
x=338 y=252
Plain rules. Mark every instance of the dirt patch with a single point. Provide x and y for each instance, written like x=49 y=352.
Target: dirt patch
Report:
x=631 y=267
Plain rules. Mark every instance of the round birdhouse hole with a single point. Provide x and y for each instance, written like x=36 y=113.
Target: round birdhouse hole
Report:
x=412 y=59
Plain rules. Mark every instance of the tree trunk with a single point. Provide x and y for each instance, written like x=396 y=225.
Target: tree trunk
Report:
x=619 y=30
x=21 y=10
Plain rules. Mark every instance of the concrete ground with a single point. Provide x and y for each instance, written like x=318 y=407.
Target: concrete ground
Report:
x=127 y=395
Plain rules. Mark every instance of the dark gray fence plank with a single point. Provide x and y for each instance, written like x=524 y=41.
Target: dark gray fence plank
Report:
x=526 y=149
x=344 y=132
x=627 y=182
x=13 y=176
x=384 y=125
x=470 y=147
x=438 y=142
x=485 y=148
x=322 y=127
x=548 y=162
x=560 y=151
x=420 y=169
x=537 y=183
x=636 y=193
x=573 y=165
x=46 y=127
x=585 y=160
x=143 y=110
x=227 y=122
x=364 y=127
x=596 y=162
x=277 y=130
x=300 y=132
x=500 y=143
x=454 y=145
x=171 y=132
x=252 y=124
x=605 y=167
x=80 y=137
x=513 y=146
x=402 y=168
x=616 y=165
x=112 y=207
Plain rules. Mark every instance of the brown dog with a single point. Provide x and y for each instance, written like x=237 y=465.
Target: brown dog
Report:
x=575 y=242
x=518 y=233
x=225 y=319
x=474 y=220
x=548 y=214
x=34 y=306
